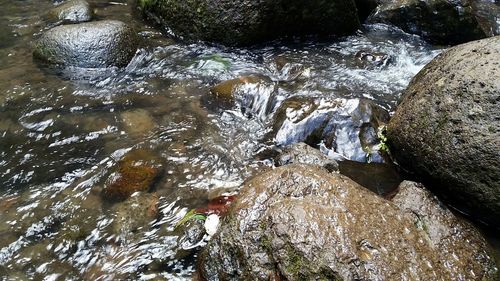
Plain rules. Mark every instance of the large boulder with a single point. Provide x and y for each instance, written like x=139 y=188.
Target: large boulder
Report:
x=247 y=22
x=447 y=127
x=89 y=45
x=300 y=222
x=439 y=21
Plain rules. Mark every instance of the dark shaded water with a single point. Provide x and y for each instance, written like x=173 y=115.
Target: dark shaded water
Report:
x=63 y=133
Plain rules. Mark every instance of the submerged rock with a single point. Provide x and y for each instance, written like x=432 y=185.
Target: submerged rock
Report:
x=447 y=127
x=488 y=15
x=253 y=95
x=136 y=172
x=248 y=22
x=440 y=21
x=88 y=45
x=225 y=90
x=73 y=11
x=347 y=127
x=137 y=122
x=136 y=212
x=300 y=222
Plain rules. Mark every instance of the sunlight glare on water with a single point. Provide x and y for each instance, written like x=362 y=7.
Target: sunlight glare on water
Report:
x=65 y=133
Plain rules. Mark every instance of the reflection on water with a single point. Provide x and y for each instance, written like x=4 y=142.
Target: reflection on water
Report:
x=64 y=132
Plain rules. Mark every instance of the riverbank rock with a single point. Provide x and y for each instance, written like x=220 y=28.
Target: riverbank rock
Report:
x=89 y=45
x=447 y=127
x=346 y=127
x=73 y=11
x=300 y=222
x=439 y=21
x=248 y=22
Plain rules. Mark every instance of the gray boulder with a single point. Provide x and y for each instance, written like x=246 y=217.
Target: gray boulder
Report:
x=89 y=45
x=246 y=22
x=447 y=127
x=439 y=21
x=73 y=11
x=300 y=222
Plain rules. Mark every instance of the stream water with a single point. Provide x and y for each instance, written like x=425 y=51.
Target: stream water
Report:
x=62 y=133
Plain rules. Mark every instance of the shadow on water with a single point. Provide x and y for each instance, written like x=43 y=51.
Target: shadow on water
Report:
x=66 y=133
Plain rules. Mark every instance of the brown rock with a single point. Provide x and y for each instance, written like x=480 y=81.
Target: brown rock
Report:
x=300 y=222
x=135 y=172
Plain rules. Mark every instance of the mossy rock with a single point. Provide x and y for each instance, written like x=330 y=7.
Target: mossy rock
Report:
x=248 y=22
x=446 y=128
x=439 y=21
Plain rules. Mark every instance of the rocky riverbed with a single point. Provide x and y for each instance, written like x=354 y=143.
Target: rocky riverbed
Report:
x=127 y=144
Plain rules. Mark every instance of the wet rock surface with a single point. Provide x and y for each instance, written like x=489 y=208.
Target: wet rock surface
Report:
x=380 y=178
x=73 y=11
x=301 y=153
x=346 y=127
x=225 y=91
x=248 y=22
x=88 y=45
x=300 y=222
x=134 y=213
x=440 y=21
x=137 y=171
x=366 y=59
x=447 y=127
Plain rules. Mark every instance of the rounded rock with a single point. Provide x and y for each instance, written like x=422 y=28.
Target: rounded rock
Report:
x=74 y=11
x=447 y=127
x=88 y=45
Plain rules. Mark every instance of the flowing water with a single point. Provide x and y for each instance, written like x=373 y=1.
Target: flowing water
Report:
x=63 y=134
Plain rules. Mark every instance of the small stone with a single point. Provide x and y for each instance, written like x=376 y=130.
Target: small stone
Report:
x=225 y=90
x=137 y=122
x=133 y=174
x=73 y=11
x=136 y=212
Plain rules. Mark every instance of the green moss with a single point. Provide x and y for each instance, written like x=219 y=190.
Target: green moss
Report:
x=294 y=262
x=144 y=4
x=266 y=243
